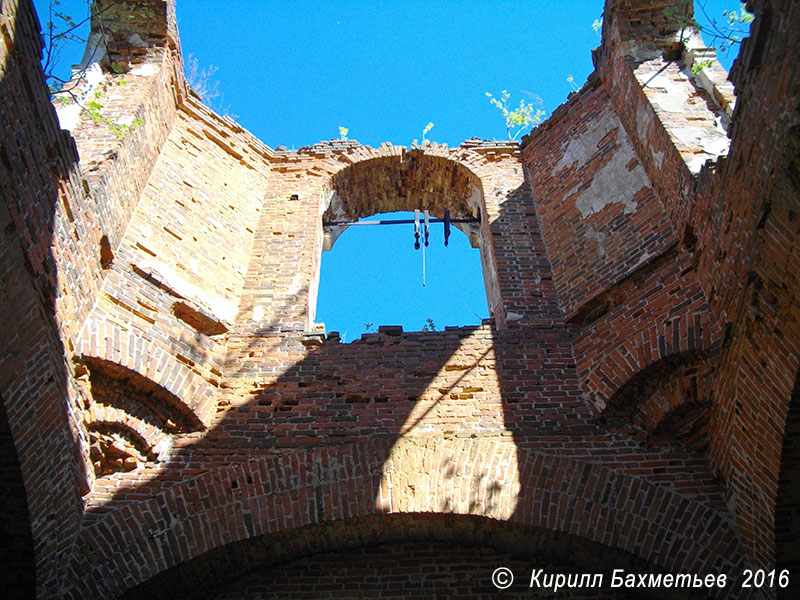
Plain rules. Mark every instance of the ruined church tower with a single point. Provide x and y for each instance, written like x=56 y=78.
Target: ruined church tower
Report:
x=175 y=424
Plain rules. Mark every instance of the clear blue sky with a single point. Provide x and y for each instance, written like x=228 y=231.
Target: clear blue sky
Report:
x=294 y=72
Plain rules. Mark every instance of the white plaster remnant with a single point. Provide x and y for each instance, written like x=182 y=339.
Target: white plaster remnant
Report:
x=69 y=115
x=221 y=309
x=615 y=182
x=643 y=259
x=675 y=94
x=658 y=158
x=326 y=199
x=712 y=78
x=710 y=142
x=144 y=70
x=296 y=285
x=695 y=163
x=472 y=230
x=135 y=39
x=94 y=53
x=640 y=51
x=333 y=201
x=163 y=448
x=643 y=121
x=474 y=200
x=600 y=238
x=258 y=313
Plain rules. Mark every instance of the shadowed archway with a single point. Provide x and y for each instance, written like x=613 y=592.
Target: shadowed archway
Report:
x=787 y=507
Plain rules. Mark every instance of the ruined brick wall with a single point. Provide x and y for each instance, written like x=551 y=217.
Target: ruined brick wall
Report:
x=728 y=266
x=599 y=213
x=750 y=270
x=304 y=431
x=736 y=217
x=60 y=219
x=40 y=245
x=180 y=424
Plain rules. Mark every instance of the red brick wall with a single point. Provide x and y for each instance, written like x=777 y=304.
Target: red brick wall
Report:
x=173 y=407
x=738 y=220
x=600 y=218
x=54 y=216
x=741 y=218
x=662 y=320
x=38 y=177
x=331 y=487
x=750 y=268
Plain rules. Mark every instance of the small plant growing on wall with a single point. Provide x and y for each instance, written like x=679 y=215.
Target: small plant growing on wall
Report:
x=723 y=34
x=425 y=131
x=429 y=325
x=518 y=119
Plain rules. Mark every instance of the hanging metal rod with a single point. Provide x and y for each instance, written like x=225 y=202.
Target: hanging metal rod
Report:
x=420 y=217
x=394 y=222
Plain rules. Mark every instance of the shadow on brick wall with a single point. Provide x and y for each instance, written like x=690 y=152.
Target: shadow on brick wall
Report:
x=471 y=436
x=39 y=463
x=787 y=508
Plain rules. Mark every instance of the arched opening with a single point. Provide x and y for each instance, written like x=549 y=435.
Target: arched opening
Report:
x=383 y=273
x=427 y=550
x=413 y=569
x=375 y=275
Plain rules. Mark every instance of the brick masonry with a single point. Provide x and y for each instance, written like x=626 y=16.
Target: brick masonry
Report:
x=174 y=421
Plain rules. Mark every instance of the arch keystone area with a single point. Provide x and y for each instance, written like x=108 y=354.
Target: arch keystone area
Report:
x=106 y=345
x=281 y=497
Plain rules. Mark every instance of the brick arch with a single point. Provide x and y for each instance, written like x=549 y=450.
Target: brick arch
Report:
x=675 y=406
x=368 y=181
x=146 y=438
x=393 y=179
x=404 y=180
x=646 y=359
x=115 y=351
x=660 y=388
x=291 y=494
x=531 y=547
x=664 y=324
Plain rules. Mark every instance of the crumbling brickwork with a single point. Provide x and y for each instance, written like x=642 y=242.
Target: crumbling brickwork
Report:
x=174 y=422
